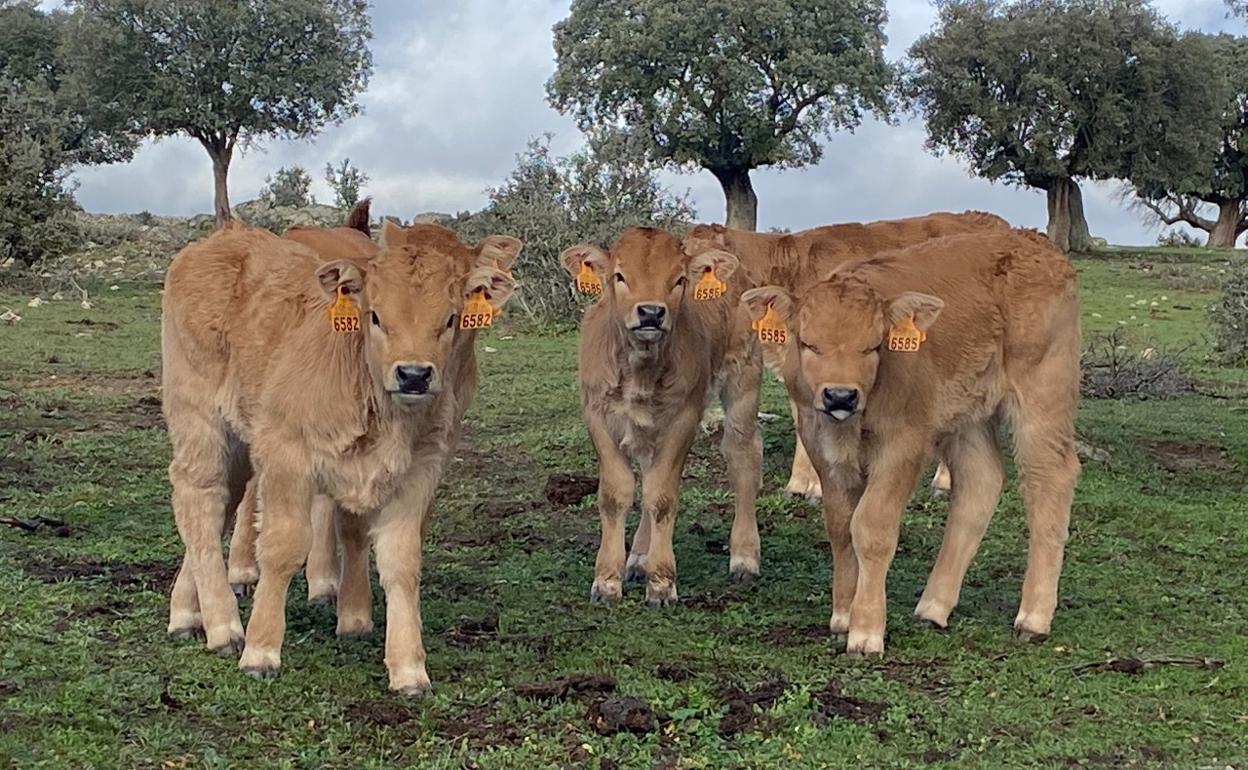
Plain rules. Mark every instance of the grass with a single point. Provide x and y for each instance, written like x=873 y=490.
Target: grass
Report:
x=737 y=676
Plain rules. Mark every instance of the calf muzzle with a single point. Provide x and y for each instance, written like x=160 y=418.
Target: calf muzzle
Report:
x=839 y=403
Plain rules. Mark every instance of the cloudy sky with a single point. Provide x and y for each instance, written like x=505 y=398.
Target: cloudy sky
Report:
x=457 y=90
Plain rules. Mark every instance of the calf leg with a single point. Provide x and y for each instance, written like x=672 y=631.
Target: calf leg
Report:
x=874 y=530
x=1048 y=468
x=975 y=457
x=942 y=480
x=803 y=480
x=285 y=538
x=660 y=498
x=635 y=569
x=322 y=569
x=616 y=487
x=200 y=474
x=399 y=534
x=742 y=447
x=243 y=570
x=355 y=596
x=839 y=500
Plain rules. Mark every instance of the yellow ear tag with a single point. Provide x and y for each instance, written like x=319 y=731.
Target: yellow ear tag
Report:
x=344 y=316
x=770 y=328
x=905 y=337
x=587 y=281
x=709 y=286
x=478 y=312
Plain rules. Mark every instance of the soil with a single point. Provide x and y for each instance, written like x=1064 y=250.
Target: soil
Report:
x=470 y=632
x=379 y=714
x=831 y=703
x=673 y=672
x=560 y=689
x=570 y=489
x=1179 y=456
x=740 y=716
x=157 y=575
x=626 y=714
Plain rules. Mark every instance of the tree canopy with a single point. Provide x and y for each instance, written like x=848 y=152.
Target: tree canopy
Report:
x=727 y=85
x=1045 y=92
x=224 y=72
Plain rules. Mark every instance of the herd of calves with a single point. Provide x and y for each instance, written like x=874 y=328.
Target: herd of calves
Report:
x=315 y=386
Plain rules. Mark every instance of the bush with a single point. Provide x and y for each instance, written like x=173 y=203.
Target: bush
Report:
x=1110 y=370
x=554 y=202
x=1180 y=238
x=1230 y=320
x=290 y=186
x=346 y=181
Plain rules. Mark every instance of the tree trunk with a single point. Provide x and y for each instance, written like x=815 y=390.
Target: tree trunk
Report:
x=221 y=192
x=1231 y=222
x=1068 y=228
x=742 y=203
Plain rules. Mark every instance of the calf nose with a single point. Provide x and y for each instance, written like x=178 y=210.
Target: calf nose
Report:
x=413 y=378
x=840 y=399
x=651 y=315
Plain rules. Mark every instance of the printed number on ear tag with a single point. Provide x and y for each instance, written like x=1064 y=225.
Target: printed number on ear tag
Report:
x=588 y=282
x=478 y=312
x=770 y=328
x=905 y=337
x=709 y=286
x=344 y=316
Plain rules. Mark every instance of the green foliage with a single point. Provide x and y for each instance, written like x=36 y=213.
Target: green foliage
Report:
x=1178 y=237
x=346 y=181
x=723 y=84
x=1036 y=91
x=554 y=202
x=1230 y=320
x=289 y=186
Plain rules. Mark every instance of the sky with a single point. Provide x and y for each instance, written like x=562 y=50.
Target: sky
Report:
x=458 y=89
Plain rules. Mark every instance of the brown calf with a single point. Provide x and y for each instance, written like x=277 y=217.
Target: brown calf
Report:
x=930 y=347
x=345 y=379
x=796 y=261
x=662 y=336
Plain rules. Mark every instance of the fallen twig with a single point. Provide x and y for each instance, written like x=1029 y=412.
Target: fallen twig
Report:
x=1129 y=665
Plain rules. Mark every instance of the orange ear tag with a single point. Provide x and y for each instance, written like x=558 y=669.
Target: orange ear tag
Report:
x=770 y=328
x=344 y=316
x=478 y=312
x=587 y=281
x=905 y=337
x=709 y=286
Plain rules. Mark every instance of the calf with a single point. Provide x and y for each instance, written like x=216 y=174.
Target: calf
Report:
x=932 y=346
x=345 y=379
x=666 y=332
x=798 y=260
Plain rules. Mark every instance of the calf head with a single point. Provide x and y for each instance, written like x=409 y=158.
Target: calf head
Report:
x=410 y=298
x=646 y=279
x=837 y=332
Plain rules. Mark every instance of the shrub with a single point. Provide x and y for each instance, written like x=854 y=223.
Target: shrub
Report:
x=289 y=186
x=1110 y=370
x=554 y=202
x=1230 y=320
x=346 y=181
x=1180 y=238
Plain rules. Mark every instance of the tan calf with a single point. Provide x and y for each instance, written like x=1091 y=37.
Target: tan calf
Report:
x=795 y=261
x=661 y=338
x=364 y=414
x=927 y=347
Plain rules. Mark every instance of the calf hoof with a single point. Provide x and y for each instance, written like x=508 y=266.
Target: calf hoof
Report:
x=242 y=578
x=260 y=664
x=230 y=648
x=186 y=625
x=1030 y=637
x=933 y=614
x=838 y=626
x=241 y=590
x=355 y=629
x=810 y=489
x=186 y=633
x=661 y=593
x=635 y=569
x=743 y=569
x=1032 y=627
x=322 y=600
x=322 y=593
x=225 y=640
x=860 y=645
x=261 y=672
x=940 y=628
x=606 y=590
x=413 y=682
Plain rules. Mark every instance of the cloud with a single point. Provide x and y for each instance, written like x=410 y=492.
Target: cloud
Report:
x=459 y=88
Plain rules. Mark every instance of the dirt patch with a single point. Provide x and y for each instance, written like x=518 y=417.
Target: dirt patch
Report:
x=796 y=636
x=7 y=688
x=104 y=326
x=479 y=725
x=1180 y=456
x=926 y=676
x=16 y=473
x=740 y=716
x=626 y=714
x=673 y=672
x=571 y=686
x=140 y=575
x=38 y=525
x=470 y=632
x=569 y=489
x=831 y=703
x=378 y=714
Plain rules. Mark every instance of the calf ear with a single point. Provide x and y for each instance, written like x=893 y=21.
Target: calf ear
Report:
x=776 y=297
x=724 y=264
x=497 y=285
x=391 y=234
x=574 y=257
x=499 y=251
x=923 y=308
x=340 y=274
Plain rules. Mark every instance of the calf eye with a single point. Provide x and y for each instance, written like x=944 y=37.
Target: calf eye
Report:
x=681 y=281
x=619 y=278
x=807 y=346
x=375 y=318
x=450 y=322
